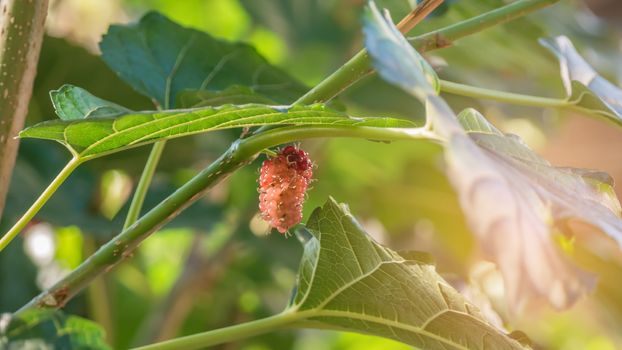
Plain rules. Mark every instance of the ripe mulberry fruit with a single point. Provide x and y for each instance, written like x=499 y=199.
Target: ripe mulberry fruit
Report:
x=283 y=181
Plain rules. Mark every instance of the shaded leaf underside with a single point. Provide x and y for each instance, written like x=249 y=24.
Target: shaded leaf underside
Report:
x=348 y=281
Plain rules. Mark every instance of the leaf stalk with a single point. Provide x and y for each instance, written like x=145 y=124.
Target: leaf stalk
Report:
x=143 y=183
x=501 y=96
x=36 y=206
x=227 y=334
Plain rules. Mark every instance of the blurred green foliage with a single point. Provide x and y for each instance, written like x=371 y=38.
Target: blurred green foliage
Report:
x=45 y=329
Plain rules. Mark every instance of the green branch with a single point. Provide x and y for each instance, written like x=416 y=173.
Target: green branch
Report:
x=446 y=36
x=508 y=97
x=244 y=151
x=352 y=71
x=36 y=206
x=359 y=66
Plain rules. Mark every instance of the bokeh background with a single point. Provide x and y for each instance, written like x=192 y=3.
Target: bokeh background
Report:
x=215 y=265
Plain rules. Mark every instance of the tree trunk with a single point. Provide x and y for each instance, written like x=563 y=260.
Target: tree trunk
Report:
x=21 y=33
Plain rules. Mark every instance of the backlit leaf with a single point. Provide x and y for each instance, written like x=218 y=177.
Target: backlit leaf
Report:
x=512 y=198
x=516 y=202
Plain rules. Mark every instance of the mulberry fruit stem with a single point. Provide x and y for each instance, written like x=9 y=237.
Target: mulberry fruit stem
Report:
x=269 y=152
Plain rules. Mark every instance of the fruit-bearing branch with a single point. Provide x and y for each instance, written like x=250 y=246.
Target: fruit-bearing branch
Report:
x=244 y=151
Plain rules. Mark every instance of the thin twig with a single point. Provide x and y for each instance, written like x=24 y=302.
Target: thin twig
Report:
x=417 y=15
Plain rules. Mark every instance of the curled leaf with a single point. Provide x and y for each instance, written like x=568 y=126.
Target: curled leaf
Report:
x=72 y=102
x=586 y=89
x=394 y=57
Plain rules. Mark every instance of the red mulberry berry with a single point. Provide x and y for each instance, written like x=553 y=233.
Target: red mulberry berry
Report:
x=283 y=181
